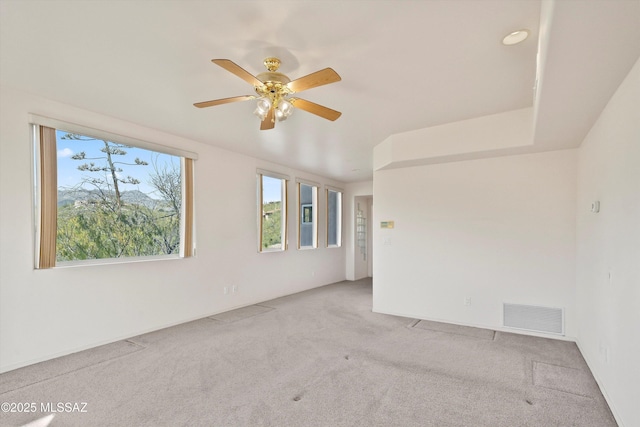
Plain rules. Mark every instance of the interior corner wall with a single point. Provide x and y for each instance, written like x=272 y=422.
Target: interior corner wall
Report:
x=493 y=230
x=49 y=313
x=608 y=256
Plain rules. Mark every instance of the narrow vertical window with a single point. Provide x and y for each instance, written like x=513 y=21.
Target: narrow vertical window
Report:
x=272 y=204
x=334 y=218
x=307 y=215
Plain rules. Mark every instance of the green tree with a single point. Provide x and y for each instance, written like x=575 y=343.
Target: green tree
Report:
x=105 y=226
x=271 y=225
x=109 y=184
x=167 y=181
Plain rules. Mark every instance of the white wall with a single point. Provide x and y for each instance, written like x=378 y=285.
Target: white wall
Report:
x=494 y=230
x=46 y=313
x=608 y=310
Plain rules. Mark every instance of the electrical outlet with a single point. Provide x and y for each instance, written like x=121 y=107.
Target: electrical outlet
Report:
x=467 y=301
x=234 y=288
x=225 y=290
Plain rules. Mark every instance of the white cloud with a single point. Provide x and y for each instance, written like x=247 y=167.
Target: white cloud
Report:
x=65 y=152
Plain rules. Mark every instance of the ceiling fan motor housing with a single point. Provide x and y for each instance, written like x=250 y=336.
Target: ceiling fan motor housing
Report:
x=275 y=84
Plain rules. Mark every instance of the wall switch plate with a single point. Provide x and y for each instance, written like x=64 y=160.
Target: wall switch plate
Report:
x=225 y=290
x=234 y=288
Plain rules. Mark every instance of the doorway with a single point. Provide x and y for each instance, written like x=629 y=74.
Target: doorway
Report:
x=363 y=248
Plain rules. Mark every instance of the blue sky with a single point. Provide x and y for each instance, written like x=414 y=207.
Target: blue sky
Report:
x=70 y=176
x=271 y=189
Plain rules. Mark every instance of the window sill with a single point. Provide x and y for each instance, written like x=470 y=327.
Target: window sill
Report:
x=110 y=261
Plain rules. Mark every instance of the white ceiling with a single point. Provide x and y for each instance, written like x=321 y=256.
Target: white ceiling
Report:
x=405 y=65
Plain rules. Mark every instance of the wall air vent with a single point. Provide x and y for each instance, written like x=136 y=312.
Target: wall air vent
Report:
x=534 y=318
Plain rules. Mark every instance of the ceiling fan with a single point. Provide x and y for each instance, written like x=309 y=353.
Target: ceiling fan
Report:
x=274 y=90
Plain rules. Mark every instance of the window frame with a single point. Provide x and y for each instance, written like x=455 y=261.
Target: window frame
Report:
x=315 y=189
x=45 y=164
x=339 y=216
x=260 y=173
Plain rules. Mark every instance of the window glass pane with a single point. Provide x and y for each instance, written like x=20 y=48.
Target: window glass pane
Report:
x=334 y=218
x=115 y=200
x=273 y=219
x=308 y=230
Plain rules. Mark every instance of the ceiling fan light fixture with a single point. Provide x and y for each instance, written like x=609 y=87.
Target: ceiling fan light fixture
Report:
x=264 y=104
x=284 y=110
x=280 y=116
x=260 y=114
x=262 y=107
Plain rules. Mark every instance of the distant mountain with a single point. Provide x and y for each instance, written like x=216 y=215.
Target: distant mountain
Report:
x=71 y=196
x=139 y=198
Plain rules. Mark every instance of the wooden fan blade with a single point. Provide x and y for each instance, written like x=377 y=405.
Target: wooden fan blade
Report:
x=269 y=122
x=234 y=68
x=317 y=109
x=312 y=80
x=223 y=101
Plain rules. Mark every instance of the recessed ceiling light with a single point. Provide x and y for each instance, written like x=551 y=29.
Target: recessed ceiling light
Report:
x=515 y=37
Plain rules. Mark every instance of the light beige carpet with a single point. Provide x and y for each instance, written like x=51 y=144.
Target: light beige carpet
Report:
x=318 y=358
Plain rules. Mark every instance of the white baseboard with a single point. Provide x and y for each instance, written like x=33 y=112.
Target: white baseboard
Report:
x=498 y=328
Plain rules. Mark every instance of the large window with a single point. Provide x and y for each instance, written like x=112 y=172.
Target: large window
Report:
x=272 y=211
x=103 y=198
x=307 y=215
x=334 y=217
